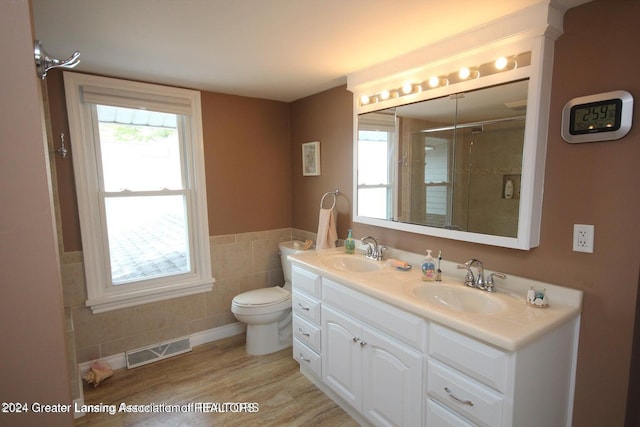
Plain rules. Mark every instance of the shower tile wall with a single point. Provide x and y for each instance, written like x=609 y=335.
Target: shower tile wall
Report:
x=240 y=262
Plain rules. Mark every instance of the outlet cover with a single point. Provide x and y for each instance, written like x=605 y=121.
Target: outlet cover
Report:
x=583 y=235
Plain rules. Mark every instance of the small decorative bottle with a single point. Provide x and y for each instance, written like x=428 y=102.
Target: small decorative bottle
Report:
x=429 y=268
x=349 y=243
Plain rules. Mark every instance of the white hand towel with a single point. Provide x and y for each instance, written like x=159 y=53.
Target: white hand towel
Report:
x=327 y=234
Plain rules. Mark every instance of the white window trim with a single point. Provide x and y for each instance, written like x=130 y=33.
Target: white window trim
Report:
x=101 y=296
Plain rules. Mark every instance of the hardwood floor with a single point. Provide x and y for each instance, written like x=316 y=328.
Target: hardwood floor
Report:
x=217 y=372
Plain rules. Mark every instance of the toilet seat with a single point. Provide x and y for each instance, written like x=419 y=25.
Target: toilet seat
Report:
x=262 y=297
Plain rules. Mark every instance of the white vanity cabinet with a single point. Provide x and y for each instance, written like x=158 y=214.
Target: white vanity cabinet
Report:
x=472 y=383
x=305 y=302
x=388 y=362
x=373 y=372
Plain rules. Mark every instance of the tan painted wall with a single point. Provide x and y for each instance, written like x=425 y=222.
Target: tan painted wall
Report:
x=325 y=117
x=586 y=183
x=247 y=164
x=32 y=361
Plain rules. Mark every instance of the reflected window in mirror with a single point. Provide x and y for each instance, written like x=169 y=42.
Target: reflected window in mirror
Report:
x=376 y=139
x=437 y=180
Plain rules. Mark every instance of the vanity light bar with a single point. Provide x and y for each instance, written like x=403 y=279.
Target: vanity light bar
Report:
x=466 y=73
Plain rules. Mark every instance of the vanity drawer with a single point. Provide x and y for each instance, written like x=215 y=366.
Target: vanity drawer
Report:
x=306 y=307
x=464 y=395
x=309 y=283
x=478 y=360
x=401 y=325
x=439 y=416
x=307 y=358
x=306 y=332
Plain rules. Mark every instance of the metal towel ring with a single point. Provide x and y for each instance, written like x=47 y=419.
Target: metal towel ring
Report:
x=330 y=193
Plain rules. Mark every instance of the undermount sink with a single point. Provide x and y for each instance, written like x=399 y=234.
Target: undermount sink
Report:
x=352 y=263
x=458 y=298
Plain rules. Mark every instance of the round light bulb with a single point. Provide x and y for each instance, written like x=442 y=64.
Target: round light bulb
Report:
x=434 y=81
x=407 y=88
x=464 y=73
x=384 y=94
x=501 y=63
x=364 y=100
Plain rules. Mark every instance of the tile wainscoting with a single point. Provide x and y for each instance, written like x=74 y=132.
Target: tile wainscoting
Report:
x=240 y=262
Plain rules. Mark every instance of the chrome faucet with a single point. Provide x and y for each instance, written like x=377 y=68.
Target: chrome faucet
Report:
x=478 y=281
x=374 y=251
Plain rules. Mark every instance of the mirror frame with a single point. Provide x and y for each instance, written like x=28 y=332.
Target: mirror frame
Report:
x=534 y=30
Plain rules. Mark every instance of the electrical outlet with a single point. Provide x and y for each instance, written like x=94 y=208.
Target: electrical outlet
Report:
x=583 y=238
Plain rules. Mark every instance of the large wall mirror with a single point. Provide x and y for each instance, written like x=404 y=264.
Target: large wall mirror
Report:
x=453 y=162
x=459 y=155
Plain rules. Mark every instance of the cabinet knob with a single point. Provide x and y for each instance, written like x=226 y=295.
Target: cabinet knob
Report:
x=456 y=398
x=363 y=343
x=356 y=339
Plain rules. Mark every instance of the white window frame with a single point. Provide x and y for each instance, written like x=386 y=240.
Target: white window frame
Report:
x=82 y=92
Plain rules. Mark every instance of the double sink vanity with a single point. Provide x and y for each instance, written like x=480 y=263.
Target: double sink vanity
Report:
x=392 y=349
x=460 y=128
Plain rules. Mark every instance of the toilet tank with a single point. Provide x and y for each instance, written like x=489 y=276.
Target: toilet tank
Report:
x=289 y=248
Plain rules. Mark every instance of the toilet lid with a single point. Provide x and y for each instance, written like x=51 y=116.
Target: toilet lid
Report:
x=264 y=296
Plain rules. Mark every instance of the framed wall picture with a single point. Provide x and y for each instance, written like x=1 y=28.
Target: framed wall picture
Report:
x=311 y=158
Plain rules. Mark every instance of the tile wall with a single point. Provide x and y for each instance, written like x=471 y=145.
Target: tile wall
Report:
x=240 y=262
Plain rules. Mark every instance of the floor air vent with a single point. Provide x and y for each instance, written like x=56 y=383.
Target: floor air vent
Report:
x=155 y=352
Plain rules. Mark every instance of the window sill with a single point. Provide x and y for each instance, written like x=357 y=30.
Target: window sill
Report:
x=115 y=302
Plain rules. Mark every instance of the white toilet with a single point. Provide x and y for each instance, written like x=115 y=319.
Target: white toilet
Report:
x=267 y=311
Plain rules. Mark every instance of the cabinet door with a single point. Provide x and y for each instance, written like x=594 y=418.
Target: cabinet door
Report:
x=341 y=355
x=392 y=381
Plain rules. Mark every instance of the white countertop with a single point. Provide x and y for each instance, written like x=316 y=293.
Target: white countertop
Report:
x=510 y=329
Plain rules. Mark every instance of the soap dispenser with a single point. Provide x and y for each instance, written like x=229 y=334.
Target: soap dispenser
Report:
x=349 y=243
x=508 y=189
x=429 y=268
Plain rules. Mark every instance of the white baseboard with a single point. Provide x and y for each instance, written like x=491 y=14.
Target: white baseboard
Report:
x=218 y=333
x=118 y=361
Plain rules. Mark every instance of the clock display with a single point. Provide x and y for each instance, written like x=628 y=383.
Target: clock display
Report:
x=603 y=116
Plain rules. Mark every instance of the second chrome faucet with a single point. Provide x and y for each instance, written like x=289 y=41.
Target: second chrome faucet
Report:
x=478 y=280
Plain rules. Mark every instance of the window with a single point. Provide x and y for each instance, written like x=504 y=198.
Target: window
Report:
x=139 y=167
x=375 y=168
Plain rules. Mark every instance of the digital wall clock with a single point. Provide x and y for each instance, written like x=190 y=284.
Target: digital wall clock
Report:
x=601 y=117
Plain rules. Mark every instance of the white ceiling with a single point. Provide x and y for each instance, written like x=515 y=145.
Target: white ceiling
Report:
x=274 y=49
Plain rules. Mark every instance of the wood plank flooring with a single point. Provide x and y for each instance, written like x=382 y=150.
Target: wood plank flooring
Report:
x=217 y=372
